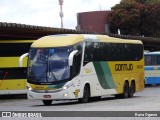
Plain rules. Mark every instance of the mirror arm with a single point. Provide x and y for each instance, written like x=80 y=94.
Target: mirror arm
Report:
x=70 y=60
x=21 y=59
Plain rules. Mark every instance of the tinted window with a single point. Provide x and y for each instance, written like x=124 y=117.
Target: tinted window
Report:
x=13 y=49
x=13 y=73
x=152 y=60
x=77 y=60
x=96 y=51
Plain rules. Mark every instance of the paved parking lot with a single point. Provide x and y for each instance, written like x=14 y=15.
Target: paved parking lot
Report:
x=146 y=100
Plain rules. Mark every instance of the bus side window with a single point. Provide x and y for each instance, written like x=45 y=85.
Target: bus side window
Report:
x=75 y=69
x=154 y=60
x=147 y=60
x=88 y=54
x=76 y=64
x=158 y=60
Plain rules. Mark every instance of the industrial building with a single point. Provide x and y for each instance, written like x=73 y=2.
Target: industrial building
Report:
x=94 y=21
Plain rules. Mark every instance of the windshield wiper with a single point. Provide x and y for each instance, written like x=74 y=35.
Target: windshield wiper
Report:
x=49 y=72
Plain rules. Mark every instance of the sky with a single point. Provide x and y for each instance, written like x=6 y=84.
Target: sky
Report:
x=46 y=12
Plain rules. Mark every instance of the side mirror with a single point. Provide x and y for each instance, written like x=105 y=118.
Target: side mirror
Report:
x=70 y=59
x=21 y=59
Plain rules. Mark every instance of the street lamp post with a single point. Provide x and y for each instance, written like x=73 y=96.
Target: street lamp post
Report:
x=61 y=12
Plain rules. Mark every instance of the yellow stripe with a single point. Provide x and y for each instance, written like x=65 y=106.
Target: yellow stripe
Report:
x=16 y=41
x=39 y=87
x=11 y=62
x=66 y=40
x=13 y=84
x=57 y=41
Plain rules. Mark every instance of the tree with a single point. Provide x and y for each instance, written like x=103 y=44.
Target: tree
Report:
x=136 y=17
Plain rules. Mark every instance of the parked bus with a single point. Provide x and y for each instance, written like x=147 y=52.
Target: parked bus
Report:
x=152 y=68
x=81 y=67
x=12 y=77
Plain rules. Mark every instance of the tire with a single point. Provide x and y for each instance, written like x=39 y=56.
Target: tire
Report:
x=96 y=98
x=86 y=95
x=125 y=93
x=131 y=90
x=118 y=96
x=47 y=102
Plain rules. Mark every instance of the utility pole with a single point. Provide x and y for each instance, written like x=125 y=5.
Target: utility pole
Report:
x=61 y=12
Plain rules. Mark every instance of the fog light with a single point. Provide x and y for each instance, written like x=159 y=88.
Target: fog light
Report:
x=65 y=95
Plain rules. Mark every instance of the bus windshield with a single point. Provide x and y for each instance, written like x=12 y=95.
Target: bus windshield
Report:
x=151 y=60
x=48 y=65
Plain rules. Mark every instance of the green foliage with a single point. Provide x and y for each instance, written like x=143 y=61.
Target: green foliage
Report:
x=136 y=17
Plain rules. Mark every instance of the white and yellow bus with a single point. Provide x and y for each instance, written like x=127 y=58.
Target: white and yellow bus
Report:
x=13 y=78
x=82 y=67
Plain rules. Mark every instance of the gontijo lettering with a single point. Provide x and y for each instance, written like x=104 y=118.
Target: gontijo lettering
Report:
x=123 y=67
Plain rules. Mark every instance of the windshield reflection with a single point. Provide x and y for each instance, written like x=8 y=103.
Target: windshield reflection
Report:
x=48 y=65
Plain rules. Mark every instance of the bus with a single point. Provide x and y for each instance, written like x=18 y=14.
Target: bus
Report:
x=152 y=68
x=13 y=78
x=82 y=67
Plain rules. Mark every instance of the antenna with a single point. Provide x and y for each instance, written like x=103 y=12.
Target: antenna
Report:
x=99 y=6
x=61 y=12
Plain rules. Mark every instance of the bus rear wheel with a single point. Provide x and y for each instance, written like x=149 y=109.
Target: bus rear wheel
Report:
x=125 y=93
x=132 y=89
x=47 y=102
x=86 y=95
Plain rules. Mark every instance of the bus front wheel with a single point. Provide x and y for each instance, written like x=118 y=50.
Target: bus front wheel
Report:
x=86 y=95
x=47 y=102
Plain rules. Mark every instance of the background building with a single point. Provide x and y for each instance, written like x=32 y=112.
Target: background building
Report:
x=95 y=21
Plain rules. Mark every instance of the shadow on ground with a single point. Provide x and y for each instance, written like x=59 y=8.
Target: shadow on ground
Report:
x=6 y=97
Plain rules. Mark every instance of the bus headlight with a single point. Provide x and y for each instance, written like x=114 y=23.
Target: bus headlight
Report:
x=67 y=86
x=29 y=87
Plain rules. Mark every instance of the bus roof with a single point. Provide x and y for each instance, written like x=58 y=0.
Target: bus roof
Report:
x=152 y=53
x=71 y=39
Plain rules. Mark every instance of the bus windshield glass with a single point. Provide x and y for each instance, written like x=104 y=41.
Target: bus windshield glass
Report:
x=48 y=65
x=151 y=60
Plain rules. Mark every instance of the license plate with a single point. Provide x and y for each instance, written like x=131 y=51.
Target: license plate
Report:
x=47 y=96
